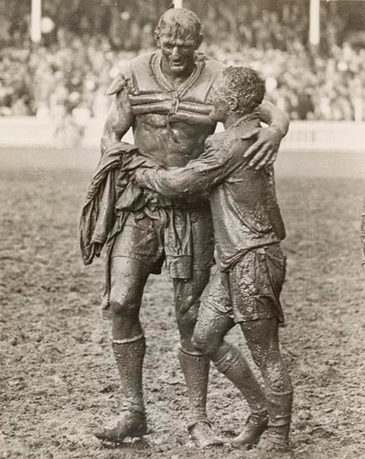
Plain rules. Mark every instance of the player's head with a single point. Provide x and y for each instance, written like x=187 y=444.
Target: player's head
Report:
x=178 y=34
x=240 y=90
x=179 y=23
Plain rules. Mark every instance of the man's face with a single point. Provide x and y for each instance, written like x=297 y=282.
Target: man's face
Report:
x=220 y=108
x=178 y=53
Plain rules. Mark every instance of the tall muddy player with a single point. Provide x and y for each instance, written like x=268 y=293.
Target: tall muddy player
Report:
x=166 y=98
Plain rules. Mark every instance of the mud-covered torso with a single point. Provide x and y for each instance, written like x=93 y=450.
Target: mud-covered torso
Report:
x=174 y=144
x=171 y=123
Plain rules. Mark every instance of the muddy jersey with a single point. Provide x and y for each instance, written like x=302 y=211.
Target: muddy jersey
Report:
x=243 y=201
x=170 y=124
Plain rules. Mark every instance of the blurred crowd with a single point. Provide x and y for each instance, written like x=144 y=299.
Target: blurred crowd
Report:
x=65 y=82
x=66 y=78
x=308 y=86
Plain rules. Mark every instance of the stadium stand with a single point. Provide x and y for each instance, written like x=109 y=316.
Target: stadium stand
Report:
x=65 y=78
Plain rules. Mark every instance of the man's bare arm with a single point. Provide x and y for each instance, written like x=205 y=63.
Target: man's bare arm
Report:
x=118 y=122
x=265 y=150
x=274 y=116
x=197 y=177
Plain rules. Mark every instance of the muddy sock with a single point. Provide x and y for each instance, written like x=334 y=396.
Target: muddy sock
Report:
x=129 y=355
x=235 y=367
x=195 y=368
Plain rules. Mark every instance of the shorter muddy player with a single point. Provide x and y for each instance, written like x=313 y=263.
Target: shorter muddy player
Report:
x=246 y=288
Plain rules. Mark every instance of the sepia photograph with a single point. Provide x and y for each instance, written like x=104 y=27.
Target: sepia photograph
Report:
x=182 y=201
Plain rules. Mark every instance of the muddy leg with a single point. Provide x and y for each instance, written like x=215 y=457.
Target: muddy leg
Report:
x=128 y=278
x=263 y=341
x=209 y=336
x=194 y=365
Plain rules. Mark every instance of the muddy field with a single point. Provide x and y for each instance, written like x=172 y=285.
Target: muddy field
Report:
x=57 y=374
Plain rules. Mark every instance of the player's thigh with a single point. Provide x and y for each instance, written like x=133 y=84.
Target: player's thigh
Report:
x=202 y=239
x=140 y=239
x=187 y=293
x=129 y=266
x=128 y=277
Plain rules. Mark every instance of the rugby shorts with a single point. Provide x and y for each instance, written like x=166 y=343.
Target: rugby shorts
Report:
x=186 y=243
x=249 y=290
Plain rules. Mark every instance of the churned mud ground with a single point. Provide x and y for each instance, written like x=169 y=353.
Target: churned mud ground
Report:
x=58 y=380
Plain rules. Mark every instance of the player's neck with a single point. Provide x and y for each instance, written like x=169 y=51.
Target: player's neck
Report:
x=231 y=119
x=235 y=118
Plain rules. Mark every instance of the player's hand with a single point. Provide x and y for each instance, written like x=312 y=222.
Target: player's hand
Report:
x=144 y=177
x=96 y=248
x=265 y=150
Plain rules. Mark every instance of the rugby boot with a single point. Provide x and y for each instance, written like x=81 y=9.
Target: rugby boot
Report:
x=195 y=368
x=276 y=444
x=129 y=424
x=203 y=436
x=255 y=426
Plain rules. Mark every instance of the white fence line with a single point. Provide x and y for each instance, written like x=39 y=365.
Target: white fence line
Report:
x=325 y=135
x=25 y=132
x=303 y=135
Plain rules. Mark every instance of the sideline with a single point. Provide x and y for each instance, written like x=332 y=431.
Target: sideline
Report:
x=303 y=135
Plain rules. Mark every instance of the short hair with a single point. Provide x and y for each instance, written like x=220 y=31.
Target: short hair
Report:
x=180 y=22
x=246 y=85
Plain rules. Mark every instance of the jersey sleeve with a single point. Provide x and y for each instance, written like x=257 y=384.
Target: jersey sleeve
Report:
x=121 y=81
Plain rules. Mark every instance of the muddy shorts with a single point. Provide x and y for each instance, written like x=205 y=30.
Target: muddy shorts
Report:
x=251 y=289
x=184 y=239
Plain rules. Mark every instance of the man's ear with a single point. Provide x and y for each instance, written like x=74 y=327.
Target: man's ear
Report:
x=232 y=102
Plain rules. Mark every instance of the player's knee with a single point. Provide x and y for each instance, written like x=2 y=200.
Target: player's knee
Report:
x=123 y=304
x=202 y=343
